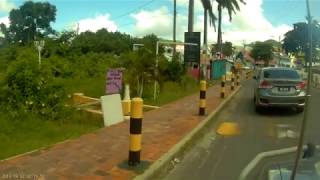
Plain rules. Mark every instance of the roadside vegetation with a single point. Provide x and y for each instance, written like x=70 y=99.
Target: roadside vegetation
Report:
x=33 y=98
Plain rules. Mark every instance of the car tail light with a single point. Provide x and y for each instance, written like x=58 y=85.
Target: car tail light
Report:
x=301 y=85
x=265 y=85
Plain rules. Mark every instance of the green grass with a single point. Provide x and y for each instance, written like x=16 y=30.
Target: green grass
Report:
x=1 y=76
x=93 y=87
x=171 y=91
x=22 y=135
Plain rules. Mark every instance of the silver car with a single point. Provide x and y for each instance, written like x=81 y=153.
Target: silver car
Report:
x=282 y=87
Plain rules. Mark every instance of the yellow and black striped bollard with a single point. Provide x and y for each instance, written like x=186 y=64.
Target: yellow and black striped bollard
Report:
x=232 y=81
x=202 y=103
x=126 y=106
x=238 y=79
x=135 y=131
x=223 y=83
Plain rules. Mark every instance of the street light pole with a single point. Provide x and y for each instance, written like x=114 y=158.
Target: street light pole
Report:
x=174 y=25
x=279 y=50
x=39 y=45
x=190 y=16
x=306 y=111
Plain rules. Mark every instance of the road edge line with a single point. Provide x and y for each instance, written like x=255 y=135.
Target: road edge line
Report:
x=159 y=164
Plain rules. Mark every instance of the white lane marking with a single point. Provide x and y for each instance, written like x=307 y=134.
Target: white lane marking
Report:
x=286 y=131
x=283 y=125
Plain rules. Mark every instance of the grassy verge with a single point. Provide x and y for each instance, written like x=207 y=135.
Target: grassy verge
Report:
x=30 y=132
x=94 y=87
x=22 y=135
x=171 y=91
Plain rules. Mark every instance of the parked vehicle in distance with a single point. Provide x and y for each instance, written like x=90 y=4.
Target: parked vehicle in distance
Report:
x=279 y=87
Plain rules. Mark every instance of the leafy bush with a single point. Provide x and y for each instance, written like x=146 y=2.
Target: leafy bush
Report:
x=60 y=67
x=28 y=88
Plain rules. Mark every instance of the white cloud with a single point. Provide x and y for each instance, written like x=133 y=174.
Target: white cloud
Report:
x=5 y=20
x=159 y=22
x=96 y=23
x=6 y=6
x=249 y=24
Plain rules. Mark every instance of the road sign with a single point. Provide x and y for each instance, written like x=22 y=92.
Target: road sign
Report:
x=192 y=53
x=114 y=81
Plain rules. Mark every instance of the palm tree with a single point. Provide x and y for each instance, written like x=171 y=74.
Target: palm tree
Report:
x=232 y=6
x=207 y=6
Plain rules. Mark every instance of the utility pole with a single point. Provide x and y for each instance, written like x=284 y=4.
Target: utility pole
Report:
x=190 y=16
x=306 y=111
x=279 y=49
x=174 y=25
x=205 y=33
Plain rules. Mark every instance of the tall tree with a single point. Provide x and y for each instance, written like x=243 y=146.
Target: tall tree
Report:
x=262 y=51
x=227 y=49
x=232 y=6
x=30 y=20
x=296 y=41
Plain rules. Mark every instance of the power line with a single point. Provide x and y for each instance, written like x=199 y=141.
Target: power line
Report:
x=133 y=10
x=152 y=16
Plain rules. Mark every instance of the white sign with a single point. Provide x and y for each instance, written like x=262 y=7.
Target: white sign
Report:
x=111 y=109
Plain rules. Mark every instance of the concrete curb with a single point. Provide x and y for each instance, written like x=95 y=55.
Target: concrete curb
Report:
x=166 y=159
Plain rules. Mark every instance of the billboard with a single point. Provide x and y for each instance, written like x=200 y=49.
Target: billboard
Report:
x=191 y=52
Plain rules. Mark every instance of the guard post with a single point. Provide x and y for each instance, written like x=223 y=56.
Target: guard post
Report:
x=202 y=103
x=238 y=78
x=223 y=83
x=232 y=81
x=135 y=131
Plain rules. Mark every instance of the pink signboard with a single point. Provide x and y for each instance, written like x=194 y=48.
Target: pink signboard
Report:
x=114 y=81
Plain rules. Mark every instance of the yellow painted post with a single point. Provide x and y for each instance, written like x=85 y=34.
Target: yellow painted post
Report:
x=232 y=81
x=223 y=83
x=135 y=131
x=126 y=102
x=202 y=103
x=126 y=106
x=238 y=79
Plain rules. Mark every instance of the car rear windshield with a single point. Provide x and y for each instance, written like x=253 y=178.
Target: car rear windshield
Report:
x=280 y=74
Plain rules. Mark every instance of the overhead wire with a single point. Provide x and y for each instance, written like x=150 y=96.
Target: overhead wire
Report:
x=133 y=10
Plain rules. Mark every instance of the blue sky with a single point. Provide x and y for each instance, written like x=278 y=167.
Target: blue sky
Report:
x=258 y=20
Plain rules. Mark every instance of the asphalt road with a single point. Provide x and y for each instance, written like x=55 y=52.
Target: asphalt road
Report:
x=224 y=157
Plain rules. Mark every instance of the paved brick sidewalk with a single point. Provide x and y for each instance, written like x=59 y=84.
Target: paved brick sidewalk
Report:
x=102 y=154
